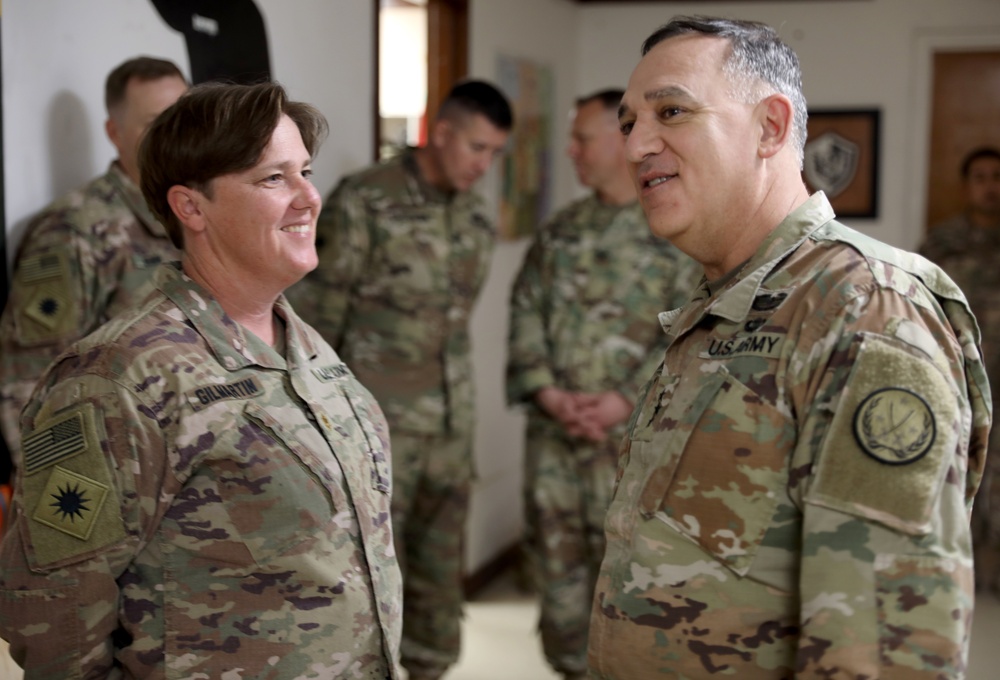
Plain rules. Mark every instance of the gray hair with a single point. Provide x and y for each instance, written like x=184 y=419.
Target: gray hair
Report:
x=759 y=63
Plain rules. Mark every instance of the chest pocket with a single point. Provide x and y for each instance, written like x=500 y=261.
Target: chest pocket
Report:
x=277 y=493
x=409 y=259
x=381 y=476
x=721 y=485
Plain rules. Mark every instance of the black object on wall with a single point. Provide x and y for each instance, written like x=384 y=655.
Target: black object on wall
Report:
x=226 y=39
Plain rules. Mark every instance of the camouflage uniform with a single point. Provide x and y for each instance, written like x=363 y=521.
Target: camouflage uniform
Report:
x=794 y=494
x=583 y=314
x=401 y=264
x=968 y=254
x=83 y=259
x=194 y=504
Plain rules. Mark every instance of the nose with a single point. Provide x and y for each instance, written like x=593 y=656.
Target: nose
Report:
x=483 y=163
x=642 y=141
x=307 y=196
x=573 y=150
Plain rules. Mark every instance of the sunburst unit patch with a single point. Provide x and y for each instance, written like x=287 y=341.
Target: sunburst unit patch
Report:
x=70 y=503
x=894 y=426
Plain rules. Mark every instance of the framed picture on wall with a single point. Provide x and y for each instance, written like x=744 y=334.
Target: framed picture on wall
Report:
x=841 y=159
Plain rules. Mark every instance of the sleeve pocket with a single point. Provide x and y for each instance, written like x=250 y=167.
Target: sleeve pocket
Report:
x=924 y=615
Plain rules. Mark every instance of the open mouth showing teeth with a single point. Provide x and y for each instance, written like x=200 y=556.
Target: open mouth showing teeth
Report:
x=654 y=182
x=297 y=229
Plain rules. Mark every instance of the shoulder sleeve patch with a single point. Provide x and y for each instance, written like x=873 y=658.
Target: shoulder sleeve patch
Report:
x=68 y=490
x=62 y=439
x=894 y=426
x=47 y=310
x=891 y=440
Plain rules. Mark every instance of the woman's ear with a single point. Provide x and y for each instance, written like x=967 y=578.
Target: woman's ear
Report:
x=187 y=206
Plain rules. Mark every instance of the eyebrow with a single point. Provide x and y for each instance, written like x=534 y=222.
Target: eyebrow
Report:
x=653 y=95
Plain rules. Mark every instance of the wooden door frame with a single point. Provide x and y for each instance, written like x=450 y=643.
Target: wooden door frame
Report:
x=447 y=56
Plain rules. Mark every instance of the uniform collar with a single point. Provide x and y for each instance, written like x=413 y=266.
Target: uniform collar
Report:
x=132 y=197
x=427 y=192
x=734 y=302
x=233 y=346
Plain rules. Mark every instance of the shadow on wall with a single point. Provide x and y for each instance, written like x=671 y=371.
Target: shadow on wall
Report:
x=70 y=156
x=71 y=144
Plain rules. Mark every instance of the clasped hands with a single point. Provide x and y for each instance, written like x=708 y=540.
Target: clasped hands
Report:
x=586 y=415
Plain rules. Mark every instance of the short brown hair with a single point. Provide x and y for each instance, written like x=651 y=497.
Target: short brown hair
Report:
x=141 y=68
x=610 y=99
x=216 y=129
x=478 y=97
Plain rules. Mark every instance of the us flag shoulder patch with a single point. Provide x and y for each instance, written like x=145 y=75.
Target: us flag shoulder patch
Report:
x=59 y=441
x=41 y=267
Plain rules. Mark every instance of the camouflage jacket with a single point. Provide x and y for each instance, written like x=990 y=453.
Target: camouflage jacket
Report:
x=584 y=305
x=793 y=496
x=83 y=259
x=969 y=255
x=401 y=264
x=194 y=504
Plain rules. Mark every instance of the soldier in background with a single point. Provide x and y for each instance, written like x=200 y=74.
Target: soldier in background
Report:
x=205 y=486
x=404 y=247
x=85 y=257
x=794 y=490
x=583 y=340
x=967 y=246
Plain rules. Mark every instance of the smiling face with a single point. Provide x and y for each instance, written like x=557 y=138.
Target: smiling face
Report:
x=690 y=145
x=260 y=224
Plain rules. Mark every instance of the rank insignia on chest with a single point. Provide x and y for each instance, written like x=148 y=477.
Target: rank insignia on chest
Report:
x=766 y=301
x=894 y=426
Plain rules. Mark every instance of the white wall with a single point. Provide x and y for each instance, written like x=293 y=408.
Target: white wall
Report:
x=57 y=53
x=542 y=31
x=862 y=54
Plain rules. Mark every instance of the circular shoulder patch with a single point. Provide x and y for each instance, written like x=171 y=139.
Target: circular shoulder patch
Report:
x=894 y=426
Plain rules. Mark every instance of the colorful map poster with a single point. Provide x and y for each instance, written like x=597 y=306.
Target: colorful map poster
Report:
x=527 y=167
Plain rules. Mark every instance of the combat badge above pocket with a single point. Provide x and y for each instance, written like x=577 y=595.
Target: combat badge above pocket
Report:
x=46 y=299
x=892 y=436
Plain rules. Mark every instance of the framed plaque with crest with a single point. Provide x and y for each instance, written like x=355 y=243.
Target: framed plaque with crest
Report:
x=841 y=159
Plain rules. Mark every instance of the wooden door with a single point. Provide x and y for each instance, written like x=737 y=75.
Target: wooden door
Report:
x=447 y=49
x=447 y=55
x=965 y=115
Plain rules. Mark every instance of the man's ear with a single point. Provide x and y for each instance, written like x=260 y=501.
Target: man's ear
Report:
x=187 y=206
x=111 y=129
x=440 y=131
x=776 y=117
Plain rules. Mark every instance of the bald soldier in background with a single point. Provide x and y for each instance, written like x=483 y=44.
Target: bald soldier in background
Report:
x=795 y=487
x=86 y=257
x=583 y=340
